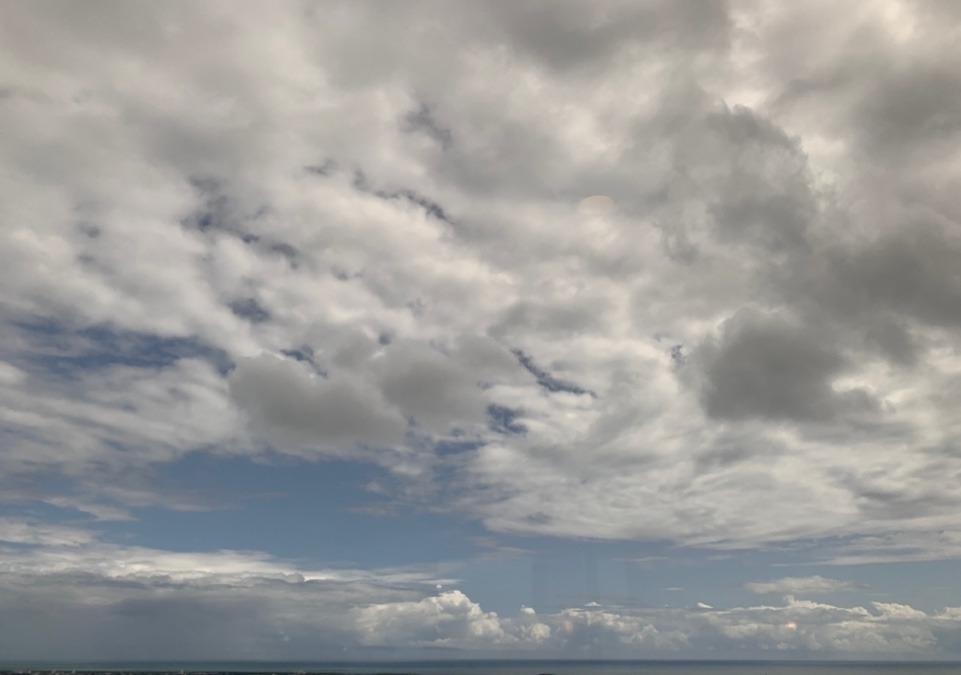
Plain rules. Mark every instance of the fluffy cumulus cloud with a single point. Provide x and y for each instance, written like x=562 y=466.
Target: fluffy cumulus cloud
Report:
x=447 y=619
x=101 y=600
x=340 y=230
x=797 y=627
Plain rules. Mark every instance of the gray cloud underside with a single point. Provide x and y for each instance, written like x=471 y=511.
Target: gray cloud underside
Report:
x=301 y=229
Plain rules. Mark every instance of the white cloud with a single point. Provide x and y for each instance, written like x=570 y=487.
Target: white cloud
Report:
x=451 y=619
x=19 y=531
x=448 y=619
x=899 y=546
x=813 y=585
x=756 y=345
x=92 y=418
x=84 y=591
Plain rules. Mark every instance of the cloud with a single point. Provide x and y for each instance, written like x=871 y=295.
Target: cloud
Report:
x=105 y=601
x=315 y=237
x=99 y=410
x=901 y=546
x=813 y=585
x=430 y=388
x=98 y=600
x=448 y=619
x=300 y=406
x=766 y=367
x=18 y=531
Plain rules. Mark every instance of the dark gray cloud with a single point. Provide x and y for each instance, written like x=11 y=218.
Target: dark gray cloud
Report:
x=912 y=272
x=772 y=368
x=912 y=109
x=300 y=407
x=571 y=37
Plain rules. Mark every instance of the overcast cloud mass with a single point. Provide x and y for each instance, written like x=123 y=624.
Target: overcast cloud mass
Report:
x=357 y=330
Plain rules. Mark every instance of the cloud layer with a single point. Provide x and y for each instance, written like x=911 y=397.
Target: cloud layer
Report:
x=344 y=231
x=69 y=595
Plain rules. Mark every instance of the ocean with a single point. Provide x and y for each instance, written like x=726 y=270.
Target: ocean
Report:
x=502 y=668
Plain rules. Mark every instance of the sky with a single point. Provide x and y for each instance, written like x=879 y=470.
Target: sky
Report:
x=354 y=330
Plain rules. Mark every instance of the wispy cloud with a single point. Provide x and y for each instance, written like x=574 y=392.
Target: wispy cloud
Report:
x=813 y=585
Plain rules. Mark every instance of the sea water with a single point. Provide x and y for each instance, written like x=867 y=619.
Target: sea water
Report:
x=505 y=668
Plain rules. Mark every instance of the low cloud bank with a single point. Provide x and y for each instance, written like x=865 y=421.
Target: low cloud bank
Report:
x=70 y=597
